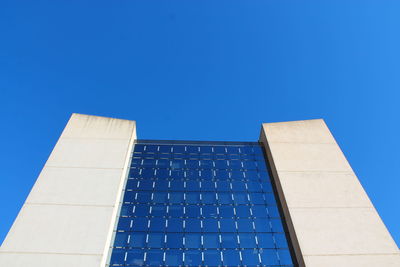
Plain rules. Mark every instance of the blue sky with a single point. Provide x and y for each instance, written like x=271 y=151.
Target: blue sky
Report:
x=202 y=70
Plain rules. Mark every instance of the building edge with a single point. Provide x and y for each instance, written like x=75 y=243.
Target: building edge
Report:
x=294 y=246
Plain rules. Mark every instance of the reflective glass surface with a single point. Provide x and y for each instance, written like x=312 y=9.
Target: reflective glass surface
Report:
x=199 y=204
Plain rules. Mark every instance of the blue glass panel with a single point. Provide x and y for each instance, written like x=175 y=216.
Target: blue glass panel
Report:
x=280 y=241
x=231 y=258
x=158 y=210
x=247 y=240
x=174 y=240
x=269 y=257
x=156 y=240
x=140 y=224
x=207 y=186
x=192 y=185
x=121 y=239
x=154 y=257
x=262 y=225
x=157 y=224
x=138 y=240
x=192 y=240
x=265 y=240
x=226 y=211
x=175 y=197
x=223 y=186
x=208 y=198
x=192 y=225
x=192 y=211
x=192 y=197
x=161 y=185
x=117 y=257
x=245 y=225
x=175 y=211
x=175 y=225
x=250 y=257
x=212 y=258
x=209 y=211
x=227 y=225
x=173 y=257
x=243 y=211
x=124 y=223
x=192 y=258
x=135 y=257
x=229 y=240
x=193 y=204
x=225 y=198
x=284 y=257
x=240 y=198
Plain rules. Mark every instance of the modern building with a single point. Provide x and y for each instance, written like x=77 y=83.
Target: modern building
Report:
x=106 y=198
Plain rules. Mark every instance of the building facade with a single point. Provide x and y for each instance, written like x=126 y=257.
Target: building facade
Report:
x=106 y=198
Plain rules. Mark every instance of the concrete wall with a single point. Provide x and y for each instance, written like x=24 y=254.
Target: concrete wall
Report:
x=330 y=217
x=68 y=217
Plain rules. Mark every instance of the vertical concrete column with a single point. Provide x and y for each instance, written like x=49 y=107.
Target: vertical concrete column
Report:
x=330 y=218
x=68 y=216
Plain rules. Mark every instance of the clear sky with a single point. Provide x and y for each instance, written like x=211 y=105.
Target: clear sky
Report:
x=202 y=70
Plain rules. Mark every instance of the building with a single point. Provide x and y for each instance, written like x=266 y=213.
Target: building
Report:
x=106 y=198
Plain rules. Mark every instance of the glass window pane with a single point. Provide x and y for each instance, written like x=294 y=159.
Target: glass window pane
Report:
x=192 y=225
x=192 y=240
x=208 y=198
x=211 y=240
x=175 y=211
x=140 y=224
x=174 y=240
x=247 y=240
x=250 y=257
x=193 y=258
x=265 y=240
x=227 y=225
x=269 y=257
x=121 y=239
x=192 y=197
x=226 y=211
x=262 y=225
x=209 y=211
x=157 y=224
x=175 y=225
x=138 y=240
x=229 y=240
x=284 y=257
x=173 y=257
x=192 y=186
x=124 y=223
x=245 y=225
x=243 y=211
x=212 y=257
x=176 y=197
x=210 y=225
x=225 y=198
x=135 y=257
x=159 y=210
x=231 y=257
x=117 y=256
x=156 y=240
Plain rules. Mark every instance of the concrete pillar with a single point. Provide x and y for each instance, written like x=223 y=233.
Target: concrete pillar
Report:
x=68 y=217
x=330 y=218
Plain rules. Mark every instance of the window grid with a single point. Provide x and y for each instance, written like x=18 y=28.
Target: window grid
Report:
x=199 y=205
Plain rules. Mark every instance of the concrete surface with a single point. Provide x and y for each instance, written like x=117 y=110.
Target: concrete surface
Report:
x=330 y=218
x=68 y=217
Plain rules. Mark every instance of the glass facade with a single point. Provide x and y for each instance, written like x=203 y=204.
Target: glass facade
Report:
x=199 y=204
